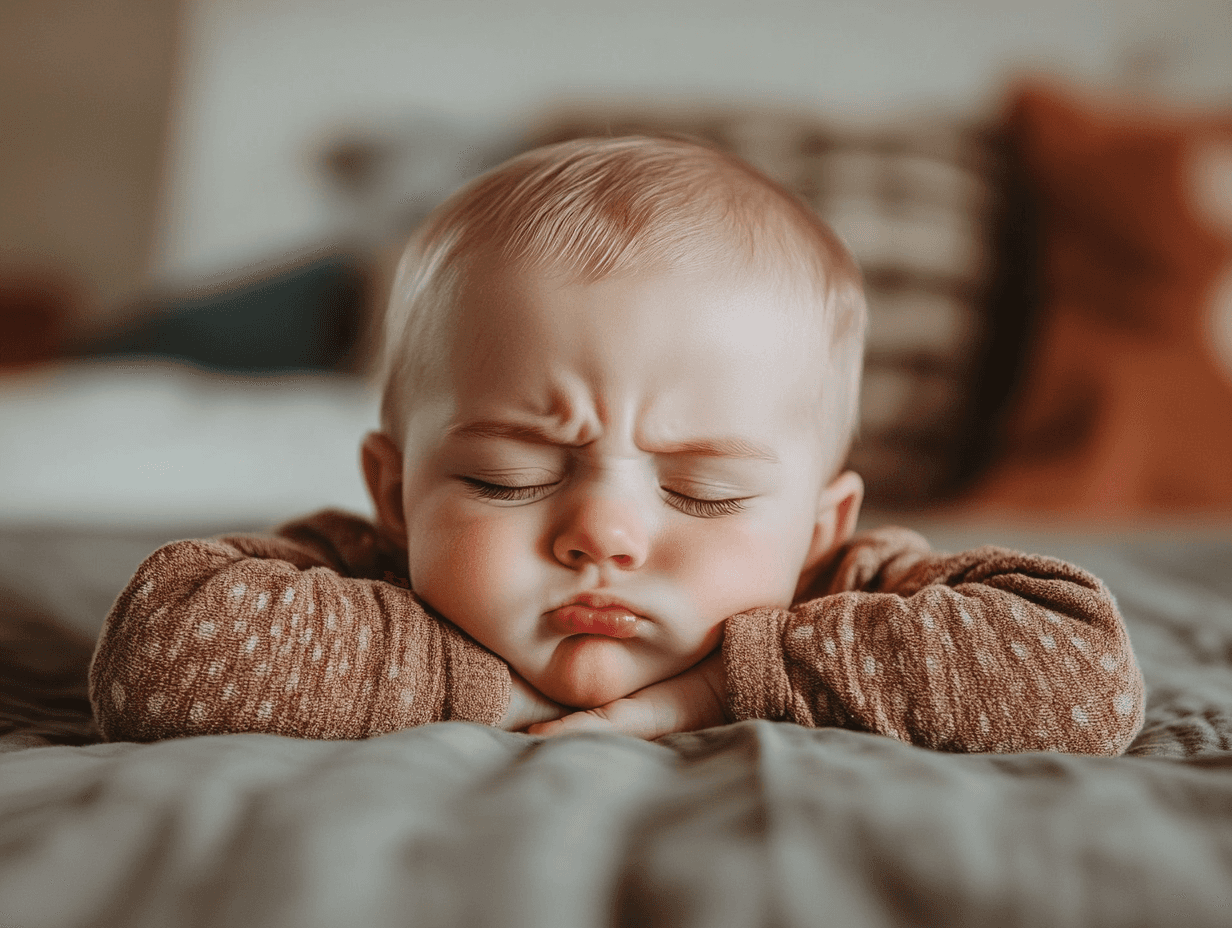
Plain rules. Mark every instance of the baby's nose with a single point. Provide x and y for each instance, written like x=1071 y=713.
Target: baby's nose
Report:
x=603 y=529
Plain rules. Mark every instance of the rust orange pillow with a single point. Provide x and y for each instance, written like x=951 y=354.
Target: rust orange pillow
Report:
x=1126 y=405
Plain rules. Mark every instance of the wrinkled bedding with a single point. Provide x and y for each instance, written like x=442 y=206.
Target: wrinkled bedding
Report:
x=754 y=823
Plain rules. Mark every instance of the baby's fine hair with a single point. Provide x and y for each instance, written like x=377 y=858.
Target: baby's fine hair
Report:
x=593 y=208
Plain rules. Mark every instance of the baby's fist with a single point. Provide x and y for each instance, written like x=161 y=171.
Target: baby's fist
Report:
x=527 y=706
x=696 y=698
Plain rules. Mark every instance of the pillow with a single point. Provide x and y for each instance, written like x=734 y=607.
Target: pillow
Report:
x=1125 y=405
x=915 y=201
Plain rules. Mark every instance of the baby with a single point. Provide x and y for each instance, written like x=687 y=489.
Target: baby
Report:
x=621 y=378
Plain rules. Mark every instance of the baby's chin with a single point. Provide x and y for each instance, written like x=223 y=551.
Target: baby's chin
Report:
x=587 y=671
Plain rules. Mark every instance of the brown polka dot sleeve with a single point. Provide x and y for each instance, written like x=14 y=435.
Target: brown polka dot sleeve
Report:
x=989 y=650
x=309 y=632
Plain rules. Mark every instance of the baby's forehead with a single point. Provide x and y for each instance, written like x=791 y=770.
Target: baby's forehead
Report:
x=540 y=314
x=724 y=320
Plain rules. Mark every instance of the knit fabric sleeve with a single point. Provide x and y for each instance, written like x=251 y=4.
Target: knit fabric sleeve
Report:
x=271 y=634
x=990 y=650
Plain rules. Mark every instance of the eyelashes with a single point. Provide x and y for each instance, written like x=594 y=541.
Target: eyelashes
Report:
x=500 y=491
x=689 y=505
x=703 y=508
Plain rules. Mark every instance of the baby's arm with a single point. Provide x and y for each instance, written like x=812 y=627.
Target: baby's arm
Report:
x=265 y=634
x=989 y=650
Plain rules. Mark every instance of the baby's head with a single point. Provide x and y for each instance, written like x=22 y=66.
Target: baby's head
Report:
x=621 y=377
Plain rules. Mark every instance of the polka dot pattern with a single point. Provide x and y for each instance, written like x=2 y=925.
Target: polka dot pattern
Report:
x=267 y=633
x=989 y=650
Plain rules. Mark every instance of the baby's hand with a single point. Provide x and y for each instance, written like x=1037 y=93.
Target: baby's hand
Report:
x=696 y=698
x=528 y=706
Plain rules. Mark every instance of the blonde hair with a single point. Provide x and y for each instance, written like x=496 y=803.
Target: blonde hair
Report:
x=591 y=208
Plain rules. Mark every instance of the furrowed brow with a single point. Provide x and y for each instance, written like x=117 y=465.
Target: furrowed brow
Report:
x=510 y=430
x=700 y=447
x=720 y=448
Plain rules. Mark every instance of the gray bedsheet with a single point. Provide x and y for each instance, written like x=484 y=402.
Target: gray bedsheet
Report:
x=749 y=824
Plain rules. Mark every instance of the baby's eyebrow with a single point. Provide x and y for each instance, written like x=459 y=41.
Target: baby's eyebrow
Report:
x=702 y=447
x=513 y=430
x=720 y=448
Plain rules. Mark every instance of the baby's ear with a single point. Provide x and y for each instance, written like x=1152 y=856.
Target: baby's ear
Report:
x=382 y=463
x=840 y=503
x=838 y=508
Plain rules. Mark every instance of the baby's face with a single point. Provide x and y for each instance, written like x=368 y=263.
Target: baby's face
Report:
x=615 y=468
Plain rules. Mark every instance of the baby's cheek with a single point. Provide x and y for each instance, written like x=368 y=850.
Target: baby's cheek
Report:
x=467 y=567
x=740 y=569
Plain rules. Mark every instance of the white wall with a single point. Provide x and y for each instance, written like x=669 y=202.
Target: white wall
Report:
x=266 y=80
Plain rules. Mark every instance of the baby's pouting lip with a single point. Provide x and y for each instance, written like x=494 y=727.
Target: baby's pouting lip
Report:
x=595 y=614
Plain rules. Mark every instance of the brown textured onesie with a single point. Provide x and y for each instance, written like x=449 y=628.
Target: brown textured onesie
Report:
x=312 y=632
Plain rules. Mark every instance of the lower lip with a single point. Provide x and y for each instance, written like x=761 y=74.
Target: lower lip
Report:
x=611 y=621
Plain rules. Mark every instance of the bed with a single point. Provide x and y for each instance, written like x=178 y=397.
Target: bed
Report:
x=754 y=823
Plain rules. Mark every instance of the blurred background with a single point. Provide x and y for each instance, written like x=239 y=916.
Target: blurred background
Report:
x=201 y=202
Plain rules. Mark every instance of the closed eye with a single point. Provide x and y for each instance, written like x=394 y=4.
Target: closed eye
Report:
x=704 y=508
x=504 y=492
